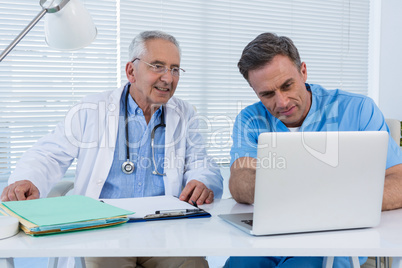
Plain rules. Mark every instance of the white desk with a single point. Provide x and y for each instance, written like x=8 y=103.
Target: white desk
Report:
x=208 y=237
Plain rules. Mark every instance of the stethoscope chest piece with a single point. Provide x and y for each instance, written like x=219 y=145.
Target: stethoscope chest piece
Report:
x=127 y=167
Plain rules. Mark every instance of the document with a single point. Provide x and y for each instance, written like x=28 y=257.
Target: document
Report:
x=157 y=208
x=64 y=213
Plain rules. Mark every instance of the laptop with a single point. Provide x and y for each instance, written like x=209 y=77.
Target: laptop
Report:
x=316 y=181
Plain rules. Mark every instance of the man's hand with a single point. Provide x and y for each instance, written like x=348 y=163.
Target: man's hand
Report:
x=197 y=191
x=20 y=190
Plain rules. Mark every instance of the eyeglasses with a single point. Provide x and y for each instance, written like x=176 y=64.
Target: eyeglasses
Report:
x=162 y=69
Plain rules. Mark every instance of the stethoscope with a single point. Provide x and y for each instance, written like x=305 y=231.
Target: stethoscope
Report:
x=128 y=166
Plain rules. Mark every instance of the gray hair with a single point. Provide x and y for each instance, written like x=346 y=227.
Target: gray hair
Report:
x=263 y=49
x=137 y=47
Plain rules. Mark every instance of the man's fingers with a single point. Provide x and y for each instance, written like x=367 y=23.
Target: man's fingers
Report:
x=5 y=195
x=210 y=197
x=197 y=195
x=185 y=194
x=197 y=191
x=33 y=196
x=203 y=196
x=10 y=193
x=20 y=190
x=206 y=197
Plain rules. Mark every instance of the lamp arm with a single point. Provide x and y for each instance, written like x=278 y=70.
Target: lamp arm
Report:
x=53 y=9
x=22 y=34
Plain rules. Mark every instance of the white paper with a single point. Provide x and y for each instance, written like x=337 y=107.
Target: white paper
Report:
x=143 y=206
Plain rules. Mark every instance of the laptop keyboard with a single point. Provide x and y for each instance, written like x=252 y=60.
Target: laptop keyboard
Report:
x=249 y=222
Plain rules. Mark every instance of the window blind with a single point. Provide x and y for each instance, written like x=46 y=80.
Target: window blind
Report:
x=332 y=37
x=38 y=84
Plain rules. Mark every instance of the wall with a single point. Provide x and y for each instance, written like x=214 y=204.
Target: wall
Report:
x=390 y=78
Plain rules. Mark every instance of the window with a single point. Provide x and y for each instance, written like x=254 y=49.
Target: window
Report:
x=38 y=84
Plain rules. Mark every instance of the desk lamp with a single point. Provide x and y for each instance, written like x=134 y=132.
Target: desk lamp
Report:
x=67 y=27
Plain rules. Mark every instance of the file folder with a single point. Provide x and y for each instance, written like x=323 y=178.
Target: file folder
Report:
x=64 y=214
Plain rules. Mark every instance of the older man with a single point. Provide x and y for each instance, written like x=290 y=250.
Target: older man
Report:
x=135 y=141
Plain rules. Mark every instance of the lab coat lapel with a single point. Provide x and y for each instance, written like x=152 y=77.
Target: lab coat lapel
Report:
x=172 y=164
x=104 y=157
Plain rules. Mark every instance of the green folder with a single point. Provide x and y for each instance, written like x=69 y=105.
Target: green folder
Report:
x=64 y=213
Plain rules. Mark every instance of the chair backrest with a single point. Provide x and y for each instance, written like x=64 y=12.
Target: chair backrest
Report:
x=61 y=188
x=395 y=129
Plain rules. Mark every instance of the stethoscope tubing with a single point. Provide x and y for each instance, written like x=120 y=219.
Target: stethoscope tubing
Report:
x=128 y=166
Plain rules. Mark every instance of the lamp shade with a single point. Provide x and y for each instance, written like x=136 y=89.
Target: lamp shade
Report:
x=70 y=28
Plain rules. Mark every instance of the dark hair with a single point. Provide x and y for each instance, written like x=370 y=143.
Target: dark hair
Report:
x=263 y=49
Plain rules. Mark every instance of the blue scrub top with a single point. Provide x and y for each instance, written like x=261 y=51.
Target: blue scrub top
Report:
x=331 y=110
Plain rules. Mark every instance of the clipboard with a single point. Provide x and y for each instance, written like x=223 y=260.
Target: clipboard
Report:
x=153 y=208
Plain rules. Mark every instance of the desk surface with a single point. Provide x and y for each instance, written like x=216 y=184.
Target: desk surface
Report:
x=209 y=237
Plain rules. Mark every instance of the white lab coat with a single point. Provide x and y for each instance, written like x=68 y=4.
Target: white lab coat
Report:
x=88 y=134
